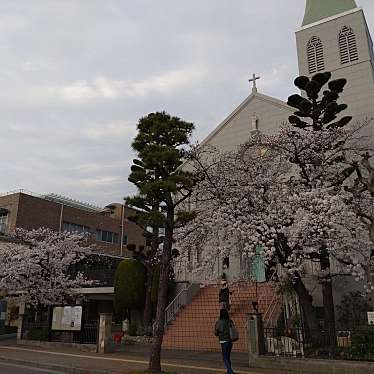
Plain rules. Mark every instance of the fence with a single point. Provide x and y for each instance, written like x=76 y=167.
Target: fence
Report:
x=87 y=335
x=355 y=344
x=40 y=330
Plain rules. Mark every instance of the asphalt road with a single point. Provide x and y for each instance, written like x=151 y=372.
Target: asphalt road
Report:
x=6 y=368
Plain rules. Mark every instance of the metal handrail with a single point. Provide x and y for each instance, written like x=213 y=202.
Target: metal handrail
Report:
x=272 y=305
x=183 y=298
x=271 y=309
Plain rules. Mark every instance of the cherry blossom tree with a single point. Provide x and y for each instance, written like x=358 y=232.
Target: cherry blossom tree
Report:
x=293 y=194
x=37 y=267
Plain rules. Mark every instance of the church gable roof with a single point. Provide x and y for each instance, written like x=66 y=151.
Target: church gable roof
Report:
x=235 y=129
x=316 y=10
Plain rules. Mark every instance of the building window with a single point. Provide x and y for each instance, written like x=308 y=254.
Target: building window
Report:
x=347 y=45
x=106 y=236
x=226 y=263
x=74 y=227
x=3 y=220
x=315 y=55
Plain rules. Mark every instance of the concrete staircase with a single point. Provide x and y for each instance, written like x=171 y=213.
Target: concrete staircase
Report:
x=193 y=327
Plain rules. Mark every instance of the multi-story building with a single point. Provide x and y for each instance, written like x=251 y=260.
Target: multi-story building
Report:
x=109 y=228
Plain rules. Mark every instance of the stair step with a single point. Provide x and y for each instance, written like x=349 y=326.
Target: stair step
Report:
x=192 y=328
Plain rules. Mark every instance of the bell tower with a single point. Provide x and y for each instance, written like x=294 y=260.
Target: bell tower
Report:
x=334 y=37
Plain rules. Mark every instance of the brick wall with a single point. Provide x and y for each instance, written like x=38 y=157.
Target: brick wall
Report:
x=34 y=212
x=30 y=212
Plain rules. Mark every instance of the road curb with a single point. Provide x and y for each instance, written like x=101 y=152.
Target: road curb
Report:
x=68 y=369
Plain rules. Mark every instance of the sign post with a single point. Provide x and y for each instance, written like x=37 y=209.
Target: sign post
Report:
x=67 y=318
x=371 y=318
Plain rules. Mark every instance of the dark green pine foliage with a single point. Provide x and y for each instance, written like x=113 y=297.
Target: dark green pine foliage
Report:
x=162 y=188
x=322 y=110
x=156 y=173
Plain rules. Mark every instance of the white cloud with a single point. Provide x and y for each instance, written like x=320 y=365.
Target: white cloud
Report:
x=105 y=88
x=108 y=131
x=166 y=83
x=83 y=90
x=77 y=75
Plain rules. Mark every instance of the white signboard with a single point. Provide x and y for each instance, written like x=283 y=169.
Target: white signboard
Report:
x=67 y=318
x=371 y=318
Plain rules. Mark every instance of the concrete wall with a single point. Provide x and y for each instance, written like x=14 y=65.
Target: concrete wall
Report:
x=10 y=202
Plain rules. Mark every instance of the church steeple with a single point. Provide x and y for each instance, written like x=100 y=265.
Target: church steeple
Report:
x=317 y=10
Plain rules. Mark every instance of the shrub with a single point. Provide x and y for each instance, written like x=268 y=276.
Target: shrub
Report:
x=129 y=286
x=133 y=329
x=352 y=310
x=38 y=333
x=363 y=343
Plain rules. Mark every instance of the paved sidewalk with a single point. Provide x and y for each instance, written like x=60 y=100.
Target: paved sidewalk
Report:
x=135 y=358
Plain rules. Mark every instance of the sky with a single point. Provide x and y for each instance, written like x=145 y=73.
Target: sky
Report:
x=76 y=75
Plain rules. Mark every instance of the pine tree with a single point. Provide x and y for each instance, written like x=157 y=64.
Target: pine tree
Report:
x=162 y=188
x=319 y=113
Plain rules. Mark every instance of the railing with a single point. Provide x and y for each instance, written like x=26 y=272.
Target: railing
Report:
x=57 y=199
x=356 y=344
x=181 y=300
x=269 y=315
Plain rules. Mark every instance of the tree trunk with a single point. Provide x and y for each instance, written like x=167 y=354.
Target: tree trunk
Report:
x=155 y=357
x=147 y=315
x=306 y=302
x=328 y=306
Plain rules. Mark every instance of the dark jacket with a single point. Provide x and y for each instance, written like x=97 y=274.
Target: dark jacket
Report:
x=222 y=330
x=224 y=295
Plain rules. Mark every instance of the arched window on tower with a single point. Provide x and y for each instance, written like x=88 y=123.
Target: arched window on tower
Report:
x=315 y=55
x=347 y=45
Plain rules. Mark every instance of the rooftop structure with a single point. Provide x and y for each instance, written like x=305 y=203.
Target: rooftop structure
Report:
x=316 y=10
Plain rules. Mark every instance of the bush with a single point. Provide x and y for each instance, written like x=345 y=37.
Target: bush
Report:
x=352 y=310
x=133 y=329
x=38 y=333
x=129 y=286
x=363 y=343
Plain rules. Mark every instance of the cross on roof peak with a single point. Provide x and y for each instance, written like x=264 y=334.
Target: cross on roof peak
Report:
x=253 y=79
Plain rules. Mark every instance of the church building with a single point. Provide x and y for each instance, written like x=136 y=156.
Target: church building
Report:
x=334 y=37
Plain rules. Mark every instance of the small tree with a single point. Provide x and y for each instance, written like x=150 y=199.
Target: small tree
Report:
x=129 y=290
x=149 y=256
x=162 y=188
x=37 y=268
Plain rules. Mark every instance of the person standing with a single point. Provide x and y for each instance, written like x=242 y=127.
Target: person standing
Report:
x=222 y=331
x=224 y=296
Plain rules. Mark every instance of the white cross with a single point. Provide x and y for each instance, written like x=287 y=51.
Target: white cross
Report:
x=254 y=88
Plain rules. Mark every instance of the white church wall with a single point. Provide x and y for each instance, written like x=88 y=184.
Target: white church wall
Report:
x=359 y=92
x=271 y=113
x=238 y=130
